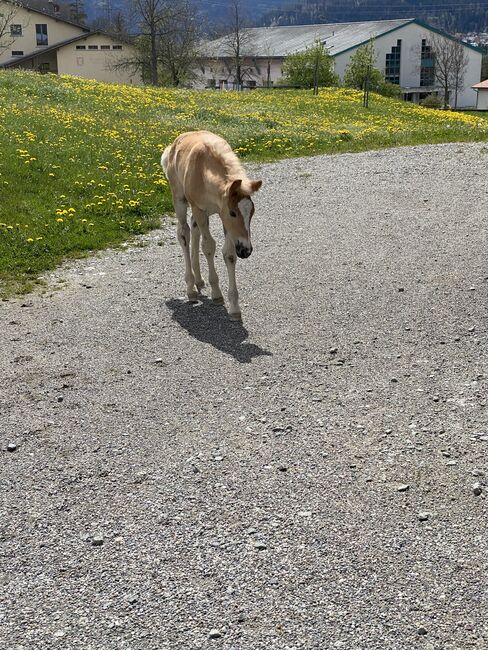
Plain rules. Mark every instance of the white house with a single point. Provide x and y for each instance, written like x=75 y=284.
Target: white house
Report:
x=482 y=98
x=402 y=53
x=45 y=41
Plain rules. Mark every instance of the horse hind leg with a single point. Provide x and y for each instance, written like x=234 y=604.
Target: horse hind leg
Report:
x=195 y=254
x=183 y=234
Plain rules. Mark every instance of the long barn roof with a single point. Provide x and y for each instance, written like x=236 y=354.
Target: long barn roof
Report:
x=339 y=37
x=281 y=41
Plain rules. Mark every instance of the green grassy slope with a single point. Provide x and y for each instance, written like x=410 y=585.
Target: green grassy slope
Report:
x=80 y=169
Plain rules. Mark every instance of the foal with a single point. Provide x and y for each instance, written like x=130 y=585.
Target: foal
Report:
x=204 y=172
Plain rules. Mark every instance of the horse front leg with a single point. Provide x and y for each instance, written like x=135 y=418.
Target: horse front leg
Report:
x=208 y=247
x=195 y=253
x=229 y=253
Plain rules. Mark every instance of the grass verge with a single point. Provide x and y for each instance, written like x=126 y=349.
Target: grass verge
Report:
x=80 y=169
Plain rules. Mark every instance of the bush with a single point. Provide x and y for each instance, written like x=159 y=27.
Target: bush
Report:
x=432 y=101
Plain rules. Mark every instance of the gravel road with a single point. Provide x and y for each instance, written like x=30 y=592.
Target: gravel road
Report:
x=312 y=478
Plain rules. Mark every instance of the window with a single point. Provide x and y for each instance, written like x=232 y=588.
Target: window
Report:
x=15 y=30
x=44 y=67
x=81 y=47
x=41 y=35
x=427 y=65
x=93 y=47
x=17 y=53
x=392 y=64
x=116 y=47
x=104 y=47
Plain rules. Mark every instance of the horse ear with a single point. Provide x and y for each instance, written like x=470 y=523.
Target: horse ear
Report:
x=235 y=191
x=255 y=185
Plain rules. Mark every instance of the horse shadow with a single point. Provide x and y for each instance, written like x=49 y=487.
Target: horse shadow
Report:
x=210 y=323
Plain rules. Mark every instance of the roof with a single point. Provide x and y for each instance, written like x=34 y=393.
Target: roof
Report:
x=37 y=7
x=12 y=63
x=339 y=37
x=280 y=41
x=483 y=85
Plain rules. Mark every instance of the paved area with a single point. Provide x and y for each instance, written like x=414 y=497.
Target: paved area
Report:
x=314 y=477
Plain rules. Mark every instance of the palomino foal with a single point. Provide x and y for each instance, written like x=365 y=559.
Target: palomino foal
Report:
x=205 y=173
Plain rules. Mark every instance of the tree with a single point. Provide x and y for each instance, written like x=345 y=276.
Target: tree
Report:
x=237 y=43
x=166 y=50
x=484 y=67
x=7 y=15
x=77 y=11
x=450 y=63
x=178 y=50
x=311 y=68
x=361 y=71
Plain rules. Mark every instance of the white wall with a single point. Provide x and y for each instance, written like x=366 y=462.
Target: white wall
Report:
x=98 y=64
x=482 y=100
x=57 y=31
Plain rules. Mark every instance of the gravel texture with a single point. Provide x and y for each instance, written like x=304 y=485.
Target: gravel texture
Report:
x=173 y=480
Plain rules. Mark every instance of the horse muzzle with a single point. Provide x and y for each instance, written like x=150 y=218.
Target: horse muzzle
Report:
x=243 y=251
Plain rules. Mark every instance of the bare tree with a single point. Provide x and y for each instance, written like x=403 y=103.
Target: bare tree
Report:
x=150 y=15
x=237 y=42
x=178 y=49
x=166 y=48
x=7 y=15
x=450 y=62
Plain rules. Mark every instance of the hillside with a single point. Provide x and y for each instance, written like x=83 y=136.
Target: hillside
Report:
x=463 y=16
x=80 y=165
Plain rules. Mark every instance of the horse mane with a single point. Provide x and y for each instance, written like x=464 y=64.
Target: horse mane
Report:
x=231 y=165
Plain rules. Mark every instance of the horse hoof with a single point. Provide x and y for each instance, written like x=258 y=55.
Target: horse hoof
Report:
x=193 y=297
x=218 y=301
x=236 y=316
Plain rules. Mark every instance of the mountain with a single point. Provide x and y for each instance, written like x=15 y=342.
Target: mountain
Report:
x=460 y=16
x=463 y=16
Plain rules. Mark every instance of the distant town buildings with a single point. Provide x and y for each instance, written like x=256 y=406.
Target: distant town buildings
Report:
x=403 y=49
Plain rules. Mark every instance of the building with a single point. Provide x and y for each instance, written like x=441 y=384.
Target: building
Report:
x=45 y=41
x=482 y=95
x=403 y=49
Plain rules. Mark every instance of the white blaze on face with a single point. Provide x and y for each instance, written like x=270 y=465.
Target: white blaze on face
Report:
x=245 y=208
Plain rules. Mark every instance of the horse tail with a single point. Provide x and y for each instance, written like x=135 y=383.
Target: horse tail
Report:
x=165 y=159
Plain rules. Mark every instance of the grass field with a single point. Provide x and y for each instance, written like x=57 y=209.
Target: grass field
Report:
x=80 y=170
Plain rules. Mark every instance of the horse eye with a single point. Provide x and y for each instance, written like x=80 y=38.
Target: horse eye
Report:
x=233 y=214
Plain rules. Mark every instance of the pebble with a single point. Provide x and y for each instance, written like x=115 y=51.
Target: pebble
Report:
x=282 y=468
x=97 y=539
x=403 y=487
x=421 y=630
x=11 y=446
x=477 y=489
x=260 y=546
x=423 y=516
x=214 y=634
x=333 y=350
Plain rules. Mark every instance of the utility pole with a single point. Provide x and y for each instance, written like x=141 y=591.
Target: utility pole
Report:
x=316 y=71
x=366 y=87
